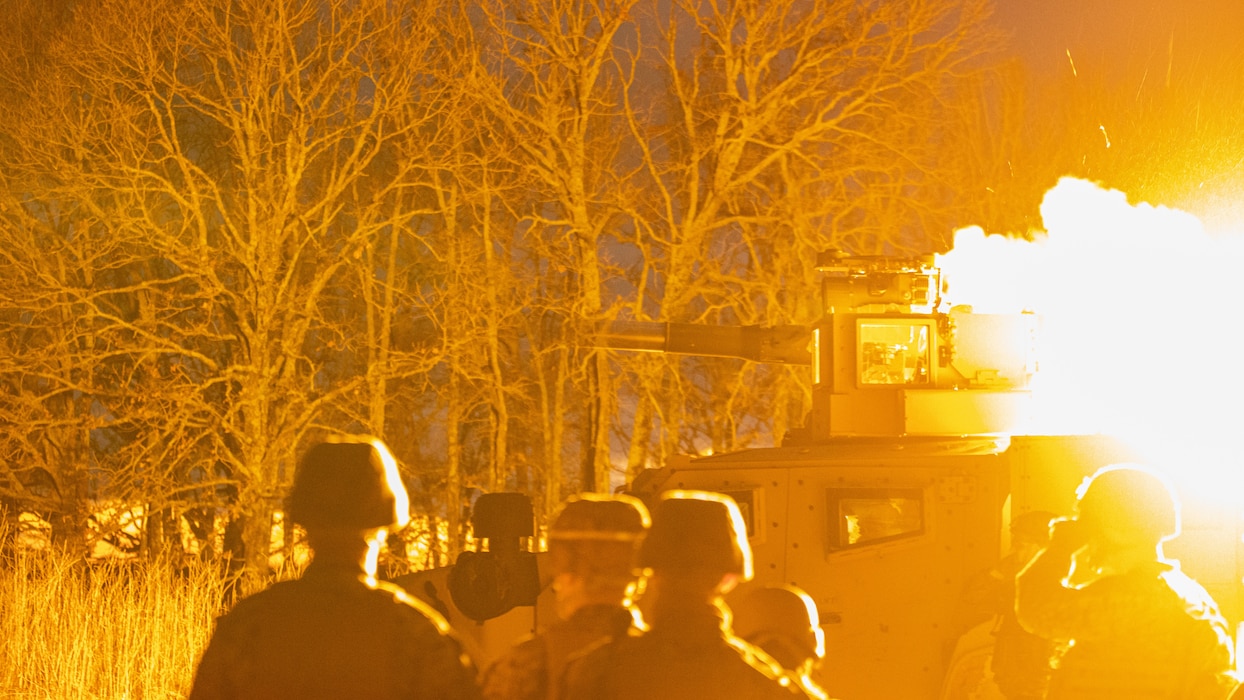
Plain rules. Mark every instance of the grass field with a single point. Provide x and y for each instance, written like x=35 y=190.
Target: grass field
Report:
x=121 y=630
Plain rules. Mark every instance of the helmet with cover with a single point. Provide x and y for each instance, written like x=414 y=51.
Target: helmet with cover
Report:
x=594 y=536
x=697 y=532
x=783 y=621
x=1128 y=504
x=348 y=483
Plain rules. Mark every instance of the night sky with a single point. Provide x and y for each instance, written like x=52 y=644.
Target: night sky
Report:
x=1154 y=105
x=1126 y=38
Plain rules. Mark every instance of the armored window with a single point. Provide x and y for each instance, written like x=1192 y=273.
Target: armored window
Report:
x=895 y=352
x=860 y=517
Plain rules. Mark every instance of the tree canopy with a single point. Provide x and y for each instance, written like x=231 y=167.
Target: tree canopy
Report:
x=230 y=226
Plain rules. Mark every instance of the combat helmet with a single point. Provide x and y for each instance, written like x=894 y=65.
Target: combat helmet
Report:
x=1129 y=504
x=596 y=535
x=348 y=482
x=697 y=532
x=783 y=621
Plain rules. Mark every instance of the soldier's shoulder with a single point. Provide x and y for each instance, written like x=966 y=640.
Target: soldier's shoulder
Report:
x=1187 y=588
x=527 y=651
x=601 y=651
x=766 y=673
x=586 y=671
x=757 y=658
x=413 y=606
x=521 y=672
x=431 y=631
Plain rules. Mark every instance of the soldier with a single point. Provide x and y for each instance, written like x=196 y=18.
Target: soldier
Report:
x=337 y=632
x=694 y=553
x=591 y=547
x=783 y=622
x=1130 y=623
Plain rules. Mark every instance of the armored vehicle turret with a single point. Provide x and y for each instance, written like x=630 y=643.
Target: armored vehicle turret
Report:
x=894 y=501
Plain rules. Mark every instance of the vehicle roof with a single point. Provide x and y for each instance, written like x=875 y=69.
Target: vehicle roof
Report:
x=857 y=449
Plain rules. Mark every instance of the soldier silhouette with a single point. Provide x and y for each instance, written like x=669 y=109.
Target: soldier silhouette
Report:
x=695 y=552
x=783 y=621
x=591 y=546
x=1128 y=622
x=337 y=632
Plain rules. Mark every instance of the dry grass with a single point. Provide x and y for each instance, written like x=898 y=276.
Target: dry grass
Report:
x=120 y=629
x=115 y=630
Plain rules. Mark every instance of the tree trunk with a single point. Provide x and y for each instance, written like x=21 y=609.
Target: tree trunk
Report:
x=453 y=464
x=641 y=427
x=256 y=538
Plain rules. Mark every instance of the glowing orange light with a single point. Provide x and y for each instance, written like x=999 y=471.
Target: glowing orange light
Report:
x=1140 y=331
x=393 y=478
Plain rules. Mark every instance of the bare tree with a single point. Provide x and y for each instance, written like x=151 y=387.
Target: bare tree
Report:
x=781 y=129
x=76 y=396
x=239 y=149
x=232 y=223
x=546 y=73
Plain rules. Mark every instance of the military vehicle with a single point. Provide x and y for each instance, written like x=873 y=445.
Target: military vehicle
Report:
x=897 y=494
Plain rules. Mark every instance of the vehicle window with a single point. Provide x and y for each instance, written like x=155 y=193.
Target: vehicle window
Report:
x=894 y=352
x=867 y=516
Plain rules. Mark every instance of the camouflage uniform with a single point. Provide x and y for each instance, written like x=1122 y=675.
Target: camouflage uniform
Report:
x=331 y=634
x=1152 y=632
x=686 y=654
x=532 y=670
x=1139 y=628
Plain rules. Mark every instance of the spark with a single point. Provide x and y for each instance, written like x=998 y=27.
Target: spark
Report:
x=1104 y=134
x=1170 y=58
x=1074 y=74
